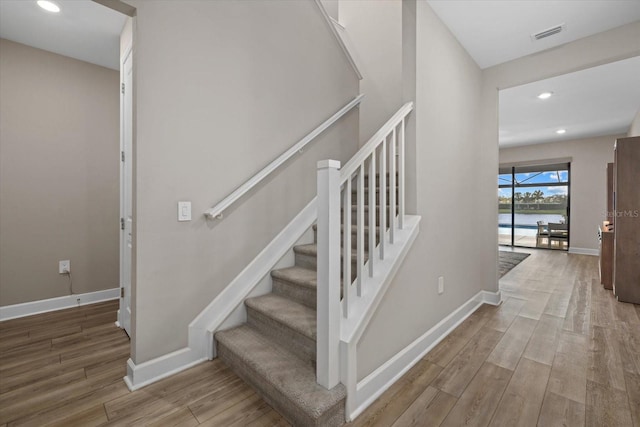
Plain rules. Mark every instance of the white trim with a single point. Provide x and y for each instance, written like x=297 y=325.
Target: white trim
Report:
x=336 y=34
x=363 y=308
x=337 y=23
x=148 y=372
x=584 y=251
x=328 y=271
x=488 y=297
x=376 y=383
x=122 y=321
x=218 y=210
x=52 y=304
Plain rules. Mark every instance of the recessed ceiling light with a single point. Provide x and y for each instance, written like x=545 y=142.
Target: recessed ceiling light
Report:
x=561 y=131
x=49 y=6
x=545 y=95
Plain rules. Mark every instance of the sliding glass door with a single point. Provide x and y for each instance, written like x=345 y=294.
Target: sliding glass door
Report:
x=534 y=205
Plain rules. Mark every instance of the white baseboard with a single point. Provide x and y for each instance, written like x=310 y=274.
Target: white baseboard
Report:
x=584 y=251
x=487 y=297
x=52 y=304
x=161 y=367
x=376 y=383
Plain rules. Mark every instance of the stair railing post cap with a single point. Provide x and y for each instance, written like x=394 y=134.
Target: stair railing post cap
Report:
x=325 y=164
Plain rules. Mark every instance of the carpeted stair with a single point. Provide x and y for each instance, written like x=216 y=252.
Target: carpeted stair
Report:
x=275 y=351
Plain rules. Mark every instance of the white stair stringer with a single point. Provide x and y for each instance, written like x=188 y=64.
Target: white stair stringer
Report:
x=374 y=287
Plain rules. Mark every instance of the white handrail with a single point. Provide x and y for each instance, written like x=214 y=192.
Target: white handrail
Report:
x=217 y=210
x=365 y=151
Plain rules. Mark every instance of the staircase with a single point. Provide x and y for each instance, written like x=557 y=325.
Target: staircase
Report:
x=298 y=346
x=275 y=351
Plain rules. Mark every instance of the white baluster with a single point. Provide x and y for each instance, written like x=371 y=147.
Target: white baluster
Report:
x=392 y=187
x=360 y=229
x=346 y=248
x=372 y=211
x=383 y=195
x=328 y=276
x=401 y=177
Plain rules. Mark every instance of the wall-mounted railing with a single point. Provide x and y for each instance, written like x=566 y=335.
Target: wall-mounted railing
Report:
x=218 y=210
x=363 y=200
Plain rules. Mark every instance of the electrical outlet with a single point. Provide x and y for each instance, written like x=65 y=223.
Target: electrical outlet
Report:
x=440 y=285
x=64 y=267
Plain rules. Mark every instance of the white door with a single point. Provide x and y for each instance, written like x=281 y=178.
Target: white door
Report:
x=126 y=199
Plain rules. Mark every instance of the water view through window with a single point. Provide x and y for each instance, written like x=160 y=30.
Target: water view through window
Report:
x=533 y=206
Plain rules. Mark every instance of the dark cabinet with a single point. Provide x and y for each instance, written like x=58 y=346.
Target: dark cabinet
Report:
x=606 y=257
x=626 y=200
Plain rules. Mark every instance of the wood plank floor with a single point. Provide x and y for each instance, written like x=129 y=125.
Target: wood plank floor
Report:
x=559 y=351
x=65 y=369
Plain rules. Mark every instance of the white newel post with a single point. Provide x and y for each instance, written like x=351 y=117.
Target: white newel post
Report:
x=328 y=241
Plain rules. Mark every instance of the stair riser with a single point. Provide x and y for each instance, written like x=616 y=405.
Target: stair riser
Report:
x=333 y=417
x=354 y=198
x=311 y=262
x=366 y=180
x=354 y=241
x=354 y=217
x=301 y=294
x=302 y=346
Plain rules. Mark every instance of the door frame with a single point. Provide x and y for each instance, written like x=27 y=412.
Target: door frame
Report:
x=126 y=190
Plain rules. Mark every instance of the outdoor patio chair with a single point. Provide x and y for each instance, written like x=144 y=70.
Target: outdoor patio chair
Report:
x=543 y=234
x=558 y=233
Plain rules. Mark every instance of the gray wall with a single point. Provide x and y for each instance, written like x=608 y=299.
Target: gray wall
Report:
x=451 y=240
x=231 y=87
x=588 y=179
x=634 y=129
x=375 y=31
x=59 y=174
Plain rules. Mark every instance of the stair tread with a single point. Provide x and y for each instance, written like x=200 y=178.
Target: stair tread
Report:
x=366 y=207
x=312 y=250
x=296 y=316
x=287 y=373
x=298 y=275
x=353 y=228
x=354 y=189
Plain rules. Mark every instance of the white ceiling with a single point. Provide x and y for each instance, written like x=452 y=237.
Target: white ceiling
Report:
x=598 y=101
x=497 y=31
x=82 y=29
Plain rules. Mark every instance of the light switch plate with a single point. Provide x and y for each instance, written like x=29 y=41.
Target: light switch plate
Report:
x=184 y=211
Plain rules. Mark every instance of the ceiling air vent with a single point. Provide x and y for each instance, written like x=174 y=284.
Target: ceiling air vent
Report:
x=547 y=32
